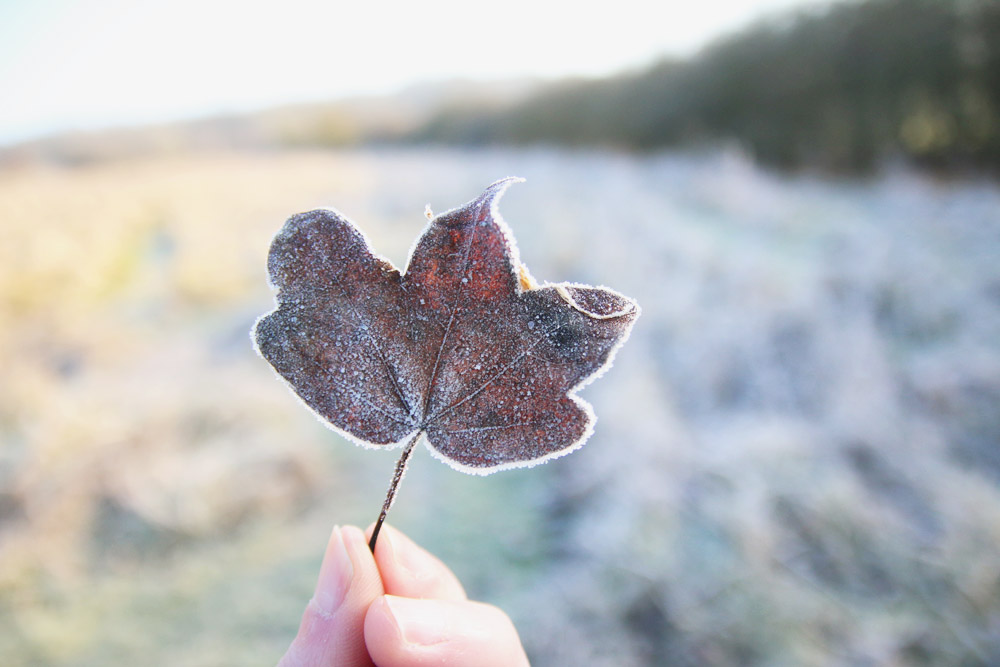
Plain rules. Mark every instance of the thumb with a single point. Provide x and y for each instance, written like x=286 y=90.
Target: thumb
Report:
x=332 y=628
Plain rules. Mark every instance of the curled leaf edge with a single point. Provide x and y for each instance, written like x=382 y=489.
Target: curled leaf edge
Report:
x=492 y=194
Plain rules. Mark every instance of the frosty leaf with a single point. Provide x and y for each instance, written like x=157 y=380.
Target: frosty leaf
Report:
x=461 y=347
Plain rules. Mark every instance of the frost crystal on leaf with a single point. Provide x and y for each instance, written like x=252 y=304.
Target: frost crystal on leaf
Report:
x=461 y=347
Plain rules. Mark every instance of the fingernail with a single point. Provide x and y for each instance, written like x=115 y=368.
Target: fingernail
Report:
x=417 y=626
x=335 y=574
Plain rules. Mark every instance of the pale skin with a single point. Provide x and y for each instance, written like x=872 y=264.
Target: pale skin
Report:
x=401 y=607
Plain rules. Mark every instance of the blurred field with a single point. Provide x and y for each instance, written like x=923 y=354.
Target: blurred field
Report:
x=796 y=462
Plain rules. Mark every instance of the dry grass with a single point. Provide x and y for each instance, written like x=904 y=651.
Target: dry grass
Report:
x=795 y=464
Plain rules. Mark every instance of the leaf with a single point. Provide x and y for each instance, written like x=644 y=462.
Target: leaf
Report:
x=462 y=347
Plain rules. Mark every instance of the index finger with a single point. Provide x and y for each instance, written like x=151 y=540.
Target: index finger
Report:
x=409 y=570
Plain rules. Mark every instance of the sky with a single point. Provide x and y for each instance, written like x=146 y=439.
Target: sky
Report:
x=80 y=64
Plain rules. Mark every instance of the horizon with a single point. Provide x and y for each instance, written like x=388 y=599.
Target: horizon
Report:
x=120 y=65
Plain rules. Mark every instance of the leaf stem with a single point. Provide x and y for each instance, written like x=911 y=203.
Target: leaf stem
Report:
x=397 y=477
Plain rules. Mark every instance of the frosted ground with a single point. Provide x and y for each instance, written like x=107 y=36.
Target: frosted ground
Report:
x=796 y=461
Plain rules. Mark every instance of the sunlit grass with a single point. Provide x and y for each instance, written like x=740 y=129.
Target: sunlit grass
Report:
x=773 y=479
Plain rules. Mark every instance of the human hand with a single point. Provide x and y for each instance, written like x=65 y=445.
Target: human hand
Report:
x=401 y=608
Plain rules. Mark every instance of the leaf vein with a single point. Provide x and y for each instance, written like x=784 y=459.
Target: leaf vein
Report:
x=343 y=386
x=454 y=310
x=380 y=355
x=499 y=374
x=479 y=429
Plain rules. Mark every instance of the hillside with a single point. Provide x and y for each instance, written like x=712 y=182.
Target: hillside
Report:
x=844 y=88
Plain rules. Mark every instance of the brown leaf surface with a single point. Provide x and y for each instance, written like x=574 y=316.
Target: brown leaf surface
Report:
x=461 y=346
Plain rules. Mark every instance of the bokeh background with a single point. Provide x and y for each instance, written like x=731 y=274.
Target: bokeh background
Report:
x=797 y=458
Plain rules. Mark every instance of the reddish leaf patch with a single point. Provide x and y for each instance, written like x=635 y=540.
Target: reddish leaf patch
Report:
x=461 y=346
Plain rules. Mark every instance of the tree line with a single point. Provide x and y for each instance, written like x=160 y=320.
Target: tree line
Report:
x=844 y=88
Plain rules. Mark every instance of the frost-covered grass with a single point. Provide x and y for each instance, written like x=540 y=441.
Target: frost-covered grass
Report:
x=796 y=461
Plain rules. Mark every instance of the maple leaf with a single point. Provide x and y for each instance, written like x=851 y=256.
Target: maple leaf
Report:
x=461 y=347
